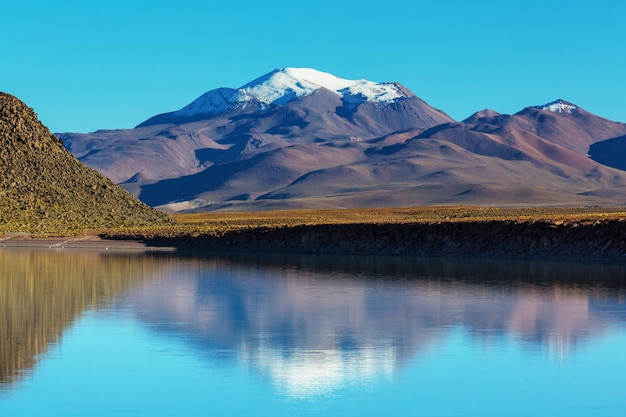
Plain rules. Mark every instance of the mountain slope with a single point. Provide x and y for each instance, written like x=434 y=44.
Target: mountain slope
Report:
x=559 y=122
x=44 y=189
x=530 y=158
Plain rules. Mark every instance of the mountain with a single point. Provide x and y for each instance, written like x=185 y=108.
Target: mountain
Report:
x=43 y=188
x=535 y=157
x=282 y=86
x=287 y=106
x=298 y=138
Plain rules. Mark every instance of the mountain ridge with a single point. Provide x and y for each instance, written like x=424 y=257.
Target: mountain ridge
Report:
x=303 y=138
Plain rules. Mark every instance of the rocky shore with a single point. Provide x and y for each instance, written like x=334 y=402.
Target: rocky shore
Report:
x=596 y=239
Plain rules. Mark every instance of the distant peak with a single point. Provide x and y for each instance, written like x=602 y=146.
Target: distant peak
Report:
x=481 y=115
x=280 y=87
x=486 y=113
x=559 y=106
x=285 y=84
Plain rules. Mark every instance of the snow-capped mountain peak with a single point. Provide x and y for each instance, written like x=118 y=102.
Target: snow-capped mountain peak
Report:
x=286 y=84
x=559 y=106
x=283 y=85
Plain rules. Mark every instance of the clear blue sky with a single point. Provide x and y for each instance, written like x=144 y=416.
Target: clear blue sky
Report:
x=85 y=65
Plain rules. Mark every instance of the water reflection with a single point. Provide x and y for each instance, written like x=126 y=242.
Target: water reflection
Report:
x=310 y=324
x=43 y=292
x=313 y=324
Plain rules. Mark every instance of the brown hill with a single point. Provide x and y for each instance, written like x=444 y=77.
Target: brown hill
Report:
x=44 y=189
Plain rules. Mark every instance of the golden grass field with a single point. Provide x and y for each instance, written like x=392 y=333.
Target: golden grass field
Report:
x=221 y=222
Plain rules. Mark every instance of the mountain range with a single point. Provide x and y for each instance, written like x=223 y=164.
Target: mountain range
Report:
x=302 y=138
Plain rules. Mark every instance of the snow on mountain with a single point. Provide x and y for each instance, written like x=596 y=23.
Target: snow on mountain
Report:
x=286 y=84
x=283 y=85
x=559 y=106
x=219 y=101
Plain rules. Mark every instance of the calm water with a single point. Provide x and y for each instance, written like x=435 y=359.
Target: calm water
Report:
x=102 y=334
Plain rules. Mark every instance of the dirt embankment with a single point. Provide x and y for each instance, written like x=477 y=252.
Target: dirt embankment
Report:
x=549 y=239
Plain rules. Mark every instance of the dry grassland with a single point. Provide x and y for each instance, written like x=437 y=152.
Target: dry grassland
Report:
x=217 y=223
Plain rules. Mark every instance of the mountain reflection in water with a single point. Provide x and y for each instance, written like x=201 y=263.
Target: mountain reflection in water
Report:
x=311 y=324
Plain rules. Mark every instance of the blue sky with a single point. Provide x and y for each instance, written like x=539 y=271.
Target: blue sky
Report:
x=87 y=65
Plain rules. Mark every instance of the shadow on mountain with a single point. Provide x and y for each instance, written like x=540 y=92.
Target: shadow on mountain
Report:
x=610 y=152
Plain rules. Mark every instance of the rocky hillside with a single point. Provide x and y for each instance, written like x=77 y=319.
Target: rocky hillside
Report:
x=44 y=189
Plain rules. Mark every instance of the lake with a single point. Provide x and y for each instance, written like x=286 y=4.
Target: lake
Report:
x=103 y=333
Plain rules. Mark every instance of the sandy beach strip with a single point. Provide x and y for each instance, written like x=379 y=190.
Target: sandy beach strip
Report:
x=20 y=240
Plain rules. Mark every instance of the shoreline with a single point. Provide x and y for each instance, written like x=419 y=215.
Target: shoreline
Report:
x=537 y=239
x=92 y=242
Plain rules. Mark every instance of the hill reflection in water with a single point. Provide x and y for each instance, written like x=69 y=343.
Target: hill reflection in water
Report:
x=311 y=324
x=42 y=292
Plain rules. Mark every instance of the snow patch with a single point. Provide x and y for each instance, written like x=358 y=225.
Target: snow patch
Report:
x=286 y=84
x=559 y=106
x=283 y=85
